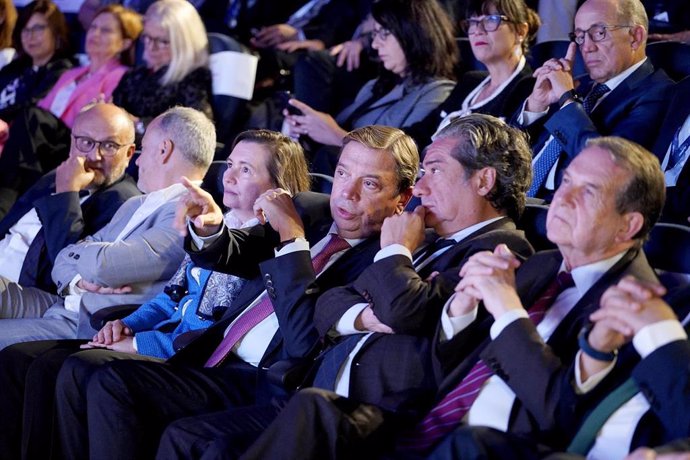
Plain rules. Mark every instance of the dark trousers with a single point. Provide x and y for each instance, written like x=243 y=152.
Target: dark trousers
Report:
x=128 y=404
x=28 y=372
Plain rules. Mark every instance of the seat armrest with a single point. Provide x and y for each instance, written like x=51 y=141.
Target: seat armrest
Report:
x=102 y=316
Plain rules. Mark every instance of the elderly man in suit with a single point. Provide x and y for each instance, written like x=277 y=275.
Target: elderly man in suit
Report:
x=623 y=95
x=290 y=261
x=632 y=402
x=504 y=369
x=412 y=276
x=65 y=205
x=132 y=257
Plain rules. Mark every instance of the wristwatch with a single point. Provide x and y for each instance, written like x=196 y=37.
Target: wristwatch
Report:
x=571 y=94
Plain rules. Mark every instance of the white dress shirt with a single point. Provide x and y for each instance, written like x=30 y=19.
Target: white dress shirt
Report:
x=346 y=324
x=495 y=401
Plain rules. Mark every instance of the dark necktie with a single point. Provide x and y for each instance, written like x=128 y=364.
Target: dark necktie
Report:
x=431 y=249
x=677 y=151
x=263 y=308
x=333 y=360
x=553 y=149
x=448 y=413
x=31 y=265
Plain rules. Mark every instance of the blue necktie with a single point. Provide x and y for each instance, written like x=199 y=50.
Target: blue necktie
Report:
x=333 y=360
x=553 y=149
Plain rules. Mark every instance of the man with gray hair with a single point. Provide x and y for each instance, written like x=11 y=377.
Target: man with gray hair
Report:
x=130 y=259
x=622 y=94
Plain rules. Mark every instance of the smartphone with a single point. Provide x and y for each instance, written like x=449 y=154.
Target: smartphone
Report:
x=284 y=97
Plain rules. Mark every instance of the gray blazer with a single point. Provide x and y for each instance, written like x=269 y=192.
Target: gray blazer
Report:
x=404 y=105
x=144 y=259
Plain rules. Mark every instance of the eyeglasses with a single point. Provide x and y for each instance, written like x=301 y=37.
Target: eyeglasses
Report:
x=107 y=148
x=596 y=33
x=489 y=23
x=382 y=33
x=37 y=29
x=156 y=41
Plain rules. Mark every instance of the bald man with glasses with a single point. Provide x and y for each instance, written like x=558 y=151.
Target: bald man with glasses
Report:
x=622 y=94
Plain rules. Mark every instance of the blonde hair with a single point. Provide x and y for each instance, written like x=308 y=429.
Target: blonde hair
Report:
x=187 y=35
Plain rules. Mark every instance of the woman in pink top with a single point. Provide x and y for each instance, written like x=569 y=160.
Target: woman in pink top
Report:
x=39 y=138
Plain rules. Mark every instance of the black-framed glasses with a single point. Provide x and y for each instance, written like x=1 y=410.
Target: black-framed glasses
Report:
x=156 y=41
x=36 y=29
x=380 y=32
x=489 y=23
x=107 y=148
x=596 y=33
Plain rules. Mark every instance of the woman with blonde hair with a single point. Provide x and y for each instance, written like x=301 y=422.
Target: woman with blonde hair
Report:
x=176 y=65
x=8 y=18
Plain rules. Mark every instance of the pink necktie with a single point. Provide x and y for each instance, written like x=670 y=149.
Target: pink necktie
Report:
x=263 y=308
x=448 y=413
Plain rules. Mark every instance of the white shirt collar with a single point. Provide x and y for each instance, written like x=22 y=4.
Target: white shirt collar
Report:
x=585 y=276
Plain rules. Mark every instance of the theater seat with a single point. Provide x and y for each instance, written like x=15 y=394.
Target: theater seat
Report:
x=668 y=252
x=533 y=223
x=673 y=57
x=542 y=52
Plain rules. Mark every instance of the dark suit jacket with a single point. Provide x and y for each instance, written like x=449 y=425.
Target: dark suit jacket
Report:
x=535 y=371
x=64 y=220
x=677 y=208
x=663 y=378
x=391 y=370
x=503 y=105
x=634 y=111
x=290 y=282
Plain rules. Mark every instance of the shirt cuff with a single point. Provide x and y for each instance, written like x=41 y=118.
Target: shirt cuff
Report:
x=134 y=344
x=593 y=380
x=452 y=326
x=300 y=244
x=72 y=288
x=526 y=117
x=505 y=320
x=393 y=250
x=656 y=335
x=346 y=323
x=300 y=35
x=200 y=242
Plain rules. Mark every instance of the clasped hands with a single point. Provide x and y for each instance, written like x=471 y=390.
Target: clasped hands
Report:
x=553 y=79
x=488 y=277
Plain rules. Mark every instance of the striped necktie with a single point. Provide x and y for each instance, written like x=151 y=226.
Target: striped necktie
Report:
x=448 y=413
x=263 y=308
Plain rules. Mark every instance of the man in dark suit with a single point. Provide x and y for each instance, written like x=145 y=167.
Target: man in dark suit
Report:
x=271 y=319
x=633 y=402
x=610 y=197
x=412 y=276
x=65 y=205
x=622 y=96
x=673 y=147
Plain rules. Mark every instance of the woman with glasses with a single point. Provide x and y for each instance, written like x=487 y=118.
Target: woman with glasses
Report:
x=40 y=39
x=39 y=138
x=414 y=41
x=176 y=65
x=499 y=32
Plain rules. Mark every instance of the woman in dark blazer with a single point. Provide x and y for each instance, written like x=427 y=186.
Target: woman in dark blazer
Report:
x=499 y=32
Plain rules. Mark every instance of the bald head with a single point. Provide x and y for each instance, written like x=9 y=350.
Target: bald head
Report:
x=112 y=129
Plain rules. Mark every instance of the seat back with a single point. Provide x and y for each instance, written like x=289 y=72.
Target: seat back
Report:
x=321 y=183
x=533 y=223
x=229 y=111
x=673 y=57
x=542 y=52
x=668 y=252
x=213 y=181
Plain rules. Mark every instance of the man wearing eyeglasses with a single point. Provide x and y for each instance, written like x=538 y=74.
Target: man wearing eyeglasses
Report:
x=65 y=205
x=132 y=256
x=622 y=94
